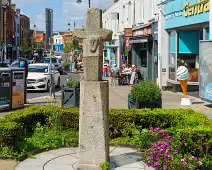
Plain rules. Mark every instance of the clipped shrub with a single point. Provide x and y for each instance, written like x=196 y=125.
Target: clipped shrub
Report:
x=122 y=122
x=71 y=83
x=10 y=132
x=145 y=92
x=195 y=140
x=29 y=117
x=65 y=119
x=66 y=66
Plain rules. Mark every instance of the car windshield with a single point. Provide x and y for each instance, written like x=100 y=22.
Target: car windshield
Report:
x=47 y=60
x=38 y=69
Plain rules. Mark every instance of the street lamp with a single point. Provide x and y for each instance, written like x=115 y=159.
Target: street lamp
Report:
x=89 y=2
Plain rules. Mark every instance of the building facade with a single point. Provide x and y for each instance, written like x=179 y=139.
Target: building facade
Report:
x=58 y=42
x=183 y=24
x=135 y=41
x=25 y=27
x=17 y=35
x=9 y=15
x=117 y=18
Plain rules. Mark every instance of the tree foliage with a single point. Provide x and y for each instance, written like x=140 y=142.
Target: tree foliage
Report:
x=70 y=46
x=26 y=46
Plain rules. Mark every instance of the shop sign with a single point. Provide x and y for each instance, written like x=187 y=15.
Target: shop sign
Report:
x=143 y=32
x=128 y=32
x=127 y=42
x=198 y=8
x=175 y=14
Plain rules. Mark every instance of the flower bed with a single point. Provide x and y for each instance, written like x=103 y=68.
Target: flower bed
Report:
x=169 y=138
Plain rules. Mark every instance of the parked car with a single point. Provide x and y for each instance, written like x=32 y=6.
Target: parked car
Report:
x=55 y=62
x=38 y=77
x=58 y=56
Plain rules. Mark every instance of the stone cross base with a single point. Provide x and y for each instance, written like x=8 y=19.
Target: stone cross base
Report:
x=94 y=124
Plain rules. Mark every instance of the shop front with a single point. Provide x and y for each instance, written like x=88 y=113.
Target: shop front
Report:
x=128 y=46
x=187 y=23
x=113 y=52
x=143 y=51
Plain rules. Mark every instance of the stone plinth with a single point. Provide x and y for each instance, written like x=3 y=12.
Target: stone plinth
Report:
x=94 y=124
x=93 y=68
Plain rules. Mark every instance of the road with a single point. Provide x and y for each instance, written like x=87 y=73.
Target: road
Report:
x=32 y=94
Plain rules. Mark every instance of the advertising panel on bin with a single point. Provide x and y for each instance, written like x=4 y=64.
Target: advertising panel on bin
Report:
x=205 y=84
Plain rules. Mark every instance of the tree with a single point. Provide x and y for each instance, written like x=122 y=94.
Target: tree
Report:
x=26 y=46
x=70 y=46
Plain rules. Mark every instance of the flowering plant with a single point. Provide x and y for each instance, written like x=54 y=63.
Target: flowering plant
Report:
x=162 y=155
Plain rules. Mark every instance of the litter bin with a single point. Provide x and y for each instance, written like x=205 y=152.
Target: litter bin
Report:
x=18 y=88
x=5 y=89
x=12 y=88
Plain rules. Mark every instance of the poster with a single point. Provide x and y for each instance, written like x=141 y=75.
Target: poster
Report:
x=18 y=90
x=18 y=100
x=205 y=64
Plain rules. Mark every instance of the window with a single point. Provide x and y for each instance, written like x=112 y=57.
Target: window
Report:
x=172 y=55
x=142 y=11
x=38 y=69
x=143 y=58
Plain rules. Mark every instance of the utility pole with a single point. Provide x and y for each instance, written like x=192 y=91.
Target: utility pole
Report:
x=89 y=3
x=134 y=13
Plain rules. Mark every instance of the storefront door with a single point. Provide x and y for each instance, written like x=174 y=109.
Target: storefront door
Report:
x=143 y=57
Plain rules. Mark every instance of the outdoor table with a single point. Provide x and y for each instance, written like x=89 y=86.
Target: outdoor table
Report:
x=127 y=76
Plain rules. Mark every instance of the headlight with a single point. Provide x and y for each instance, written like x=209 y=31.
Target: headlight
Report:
x=41 y=80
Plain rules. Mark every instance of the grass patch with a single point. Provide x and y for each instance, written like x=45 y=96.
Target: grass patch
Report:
x=43 y=138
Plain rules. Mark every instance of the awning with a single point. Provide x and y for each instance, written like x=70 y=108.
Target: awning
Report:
x=138 y=41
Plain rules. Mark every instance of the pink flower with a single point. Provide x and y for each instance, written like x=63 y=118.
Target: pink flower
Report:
x=195 y=158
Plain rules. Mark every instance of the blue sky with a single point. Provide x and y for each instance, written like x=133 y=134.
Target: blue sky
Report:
x=64 y=11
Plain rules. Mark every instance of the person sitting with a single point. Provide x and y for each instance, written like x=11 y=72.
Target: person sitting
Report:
x=120 y=76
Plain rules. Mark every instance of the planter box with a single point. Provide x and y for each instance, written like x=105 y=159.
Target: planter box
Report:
x=70 y=97
x=138 y=105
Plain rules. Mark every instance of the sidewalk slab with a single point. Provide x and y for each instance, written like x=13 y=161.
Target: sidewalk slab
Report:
x=122 y=159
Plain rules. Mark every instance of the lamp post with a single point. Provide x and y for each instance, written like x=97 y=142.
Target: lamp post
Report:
x=89 y=2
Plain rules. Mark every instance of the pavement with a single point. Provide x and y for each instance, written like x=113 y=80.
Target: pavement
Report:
x=67 y=159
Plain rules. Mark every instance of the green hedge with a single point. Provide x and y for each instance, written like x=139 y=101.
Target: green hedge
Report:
x=10 y=133
x=122 y=122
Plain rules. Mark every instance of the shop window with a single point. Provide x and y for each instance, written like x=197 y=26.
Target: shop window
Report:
x=143 y=58
x=172 y=55
x=191 y=61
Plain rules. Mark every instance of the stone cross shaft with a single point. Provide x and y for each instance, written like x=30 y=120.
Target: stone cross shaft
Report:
x=93 y=38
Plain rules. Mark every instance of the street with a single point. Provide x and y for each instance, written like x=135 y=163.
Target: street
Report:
x=63 y=78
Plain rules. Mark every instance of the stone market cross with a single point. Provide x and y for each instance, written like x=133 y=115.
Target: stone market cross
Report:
x=94 y=95
x=93 y=38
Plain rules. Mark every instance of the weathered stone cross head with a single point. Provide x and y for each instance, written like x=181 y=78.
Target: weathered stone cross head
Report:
x=93 y=38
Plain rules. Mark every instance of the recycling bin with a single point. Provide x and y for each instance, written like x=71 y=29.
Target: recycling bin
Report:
x=12 y=88
x=18 y=88
x=5 y=89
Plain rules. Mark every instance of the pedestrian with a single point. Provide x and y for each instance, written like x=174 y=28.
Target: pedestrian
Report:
x=105 y=68
x=115 y=68
x=75 y=66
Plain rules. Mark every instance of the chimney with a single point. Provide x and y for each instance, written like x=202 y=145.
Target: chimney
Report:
x=13 y=6
x=18 y=11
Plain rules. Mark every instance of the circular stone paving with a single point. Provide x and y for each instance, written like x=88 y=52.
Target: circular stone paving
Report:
x=67 y=159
